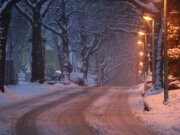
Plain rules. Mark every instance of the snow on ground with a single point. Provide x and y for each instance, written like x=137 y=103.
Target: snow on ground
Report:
x=77 y=75
x=165 y=119
x=28 y=90
x=96 y=110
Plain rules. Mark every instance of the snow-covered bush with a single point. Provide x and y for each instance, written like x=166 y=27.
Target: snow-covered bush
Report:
x=174 y=54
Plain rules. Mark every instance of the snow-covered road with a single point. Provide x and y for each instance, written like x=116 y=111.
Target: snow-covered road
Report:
x=73 y=111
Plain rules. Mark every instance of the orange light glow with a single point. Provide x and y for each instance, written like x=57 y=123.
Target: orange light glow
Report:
x=141 y=53
x=141 y=63
x=140 y=42
x=147 y=18
x=140 y=71
x=141 y=33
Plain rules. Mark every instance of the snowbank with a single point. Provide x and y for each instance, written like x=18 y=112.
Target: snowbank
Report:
x=75 y=76
x=174 y=54
x=165 y=119
x=27 y=90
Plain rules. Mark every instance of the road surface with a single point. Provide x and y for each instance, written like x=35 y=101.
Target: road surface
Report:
x=78 y=111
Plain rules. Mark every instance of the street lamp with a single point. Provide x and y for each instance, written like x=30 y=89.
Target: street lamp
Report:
x=140 y=71
x=141 y=54
x=166 y=96
x=141 y=33
x=141 y=63
x=140 y=43
x=148 y=18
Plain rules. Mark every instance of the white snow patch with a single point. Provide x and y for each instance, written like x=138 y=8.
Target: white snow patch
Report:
x=174 y=54
x=165 y=119
x=28 y=90
x=75 y=76
x=9 y=117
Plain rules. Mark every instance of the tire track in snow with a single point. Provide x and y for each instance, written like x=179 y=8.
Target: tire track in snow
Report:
x=72 y=119
x=113 y=116
x=24 y=103
x=10 y=113
x=26 y=125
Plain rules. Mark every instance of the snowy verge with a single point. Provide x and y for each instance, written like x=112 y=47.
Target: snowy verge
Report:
x=26 y=90
x=164 y=119
x=75 y=76
x=29 y=97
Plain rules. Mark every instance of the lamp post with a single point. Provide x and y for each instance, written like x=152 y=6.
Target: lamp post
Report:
x=145 y=49
x=165 y=54
x=147 y=18
x=141 y=54
x=141 y=64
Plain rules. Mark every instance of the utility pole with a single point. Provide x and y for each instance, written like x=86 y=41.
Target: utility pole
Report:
x=146 y=60
x=148 y=18
x=165 y=54
x=153 y=54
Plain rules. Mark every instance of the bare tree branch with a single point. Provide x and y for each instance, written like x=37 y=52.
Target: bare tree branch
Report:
x=52 y=29
x=5 y=4
x=18 y=7
x=30 y=4
x=76 y=9
x=46 y=9
x=148 y=6
x=123 y=29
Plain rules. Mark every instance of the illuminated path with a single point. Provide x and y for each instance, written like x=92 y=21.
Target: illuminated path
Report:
x=91 y=111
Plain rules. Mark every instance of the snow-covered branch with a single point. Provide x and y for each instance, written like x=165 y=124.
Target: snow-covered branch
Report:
x=52 y=29
x=30 y=4
x=46 y=8
x=93 y=44
x=149 y=6
x=102 y=39
x=77 y=8
x=19 y=8
x=123 y=29
x=5 y=4
x=41 y=2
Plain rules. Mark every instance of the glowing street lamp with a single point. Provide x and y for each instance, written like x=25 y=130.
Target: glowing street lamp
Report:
x=140 y=72
x=148 y=18
x=141 y=63
x=141 y=54
x=140 y=42
x=141 y=33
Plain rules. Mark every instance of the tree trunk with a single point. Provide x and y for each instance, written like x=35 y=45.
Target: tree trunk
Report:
x=67 y=68
x=85 y=70
x=66 y=61
x=38 y=63
x=4 y=25
x=159 y=57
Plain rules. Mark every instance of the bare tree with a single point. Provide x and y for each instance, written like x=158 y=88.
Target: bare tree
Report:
x=5 y=15
x=97 y=29
x=18 y=37
x=38 y=9
x=61 y=27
